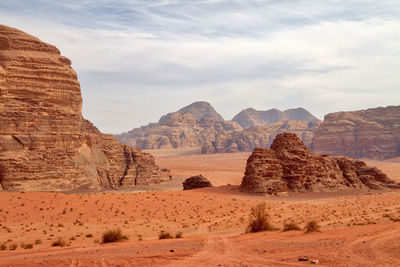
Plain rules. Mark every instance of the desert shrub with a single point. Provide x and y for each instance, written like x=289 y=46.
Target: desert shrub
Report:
x=3 y=246
x=89 y=235
x=72 y=238
x=113 y=236
x=259 y=219
x=58 y=243
x=38 y=241
x=312 y=226
x=26 y=246
x=164 y=235
x=12 y=247
x=179 y=234
x=290 y=226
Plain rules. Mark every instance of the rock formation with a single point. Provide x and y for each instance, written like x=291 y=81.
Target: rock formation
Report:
x=199 y=125
x=196 y=125
x=250 y=117
x=45 y=144
x=260 y=136
x=289 y=166
x=198 y=181
x=372 y=133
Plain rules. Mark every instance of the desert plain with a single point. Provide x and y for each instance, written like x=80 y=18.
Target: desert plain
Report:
x=358 y=228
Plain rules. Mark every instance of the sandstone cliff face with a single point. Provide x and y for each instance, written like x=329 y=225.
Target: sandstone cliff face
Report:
x=45 y=144
x=261 y=136
x=193 y=126
x=372 y=133
x=250 y=117
x=289 y=166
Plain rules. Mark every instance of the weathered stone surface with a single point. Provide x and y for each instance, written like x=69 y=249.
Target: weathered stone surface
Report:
x=289 y=166
x=199 y=125
x=45 y=144
x=198 y=181
x=372 y=133
x=260 y=136
x=196 y=125
x=250 y=117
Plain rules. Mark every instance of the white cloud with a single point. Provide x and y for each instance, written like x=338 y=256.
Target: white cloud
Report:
x=137 y=60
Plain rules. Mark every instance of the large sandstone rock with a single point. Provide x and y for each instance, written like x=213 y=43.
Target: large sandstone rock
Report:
x=196 y=125
x=372 y=133
x=198 y=181
x=289 y=166
x=260 y=136
x=250 y=117
x=45 y=144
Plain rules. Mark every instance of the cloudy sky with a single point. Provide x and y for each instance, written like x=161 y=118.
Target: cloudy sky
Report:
x=139 y=59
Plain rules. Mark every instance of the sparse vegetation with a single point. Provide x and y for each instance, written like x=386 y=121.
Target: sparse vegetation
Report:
x=27 y=246
x=179 y=234
x=113 y=236
x=291 y=226
x=38 y=241
x=89 y=235
x=164 y=235
x=3 y=246
x=259 y=219
x=12 y=247
x=312 y=226
x=58 y=243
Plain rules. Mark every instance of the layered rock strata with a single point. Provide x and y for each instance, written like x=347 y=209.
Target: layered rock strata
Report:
x=289 y=166
x=372 y=133
x=45 y=143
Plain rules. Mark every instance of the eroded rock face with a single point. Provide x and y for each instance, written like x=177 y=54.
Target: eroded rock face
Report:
x=250 y=117
x=260 y=136
x=289 y=166
x=198 y=181
x=45 y=144
x=196 y=125
x=372 y=133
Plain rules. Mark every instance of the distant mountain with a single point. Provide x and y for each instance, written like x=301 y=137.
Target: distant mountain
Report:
x=199 y=125
x=251 y=117
x=371 y=133
x=261 y=136
x=195 y=125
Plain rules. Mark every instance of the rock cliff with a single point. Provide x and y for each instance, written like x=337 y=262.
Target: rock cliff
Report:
x=260 y=136
x=372 y=133
x=196 y=125
x=250 y=117
x=45 y=144
x=289 y=166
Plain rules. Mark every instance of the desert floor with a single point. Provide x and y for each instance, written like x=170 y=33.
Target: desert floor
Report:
x=358 y=228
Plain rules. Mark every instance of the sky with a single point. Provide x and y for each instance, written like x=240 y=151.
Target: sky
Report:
x=137 y=60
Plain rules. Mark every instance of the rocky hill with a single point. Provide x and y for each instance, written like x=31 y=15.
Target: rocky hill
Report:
x=45 y=143
x=372 y=133
x=196 y=125
x=199 y=125
x=251 y=117
x=260 y=136
x=289 y=166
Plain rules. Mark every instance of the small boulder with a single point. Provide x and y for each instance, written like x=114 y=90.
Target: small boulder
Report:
x=198 y=181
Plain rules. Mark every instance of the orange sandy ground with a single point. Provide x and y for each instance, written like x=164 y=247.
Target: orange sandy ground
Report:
x=358 y=228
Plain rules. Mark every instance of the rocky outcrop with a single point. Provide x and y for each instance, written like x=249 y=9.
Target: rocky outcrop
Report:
x=199 y=125
x=45 y=144
x=372 y=133
x=289 y=166
x=198 y=181
x=250 y=117
x=261 y=136
x=196 y=125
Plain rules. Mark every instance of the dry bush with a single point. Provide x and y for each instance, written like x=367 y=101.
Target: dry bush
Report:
x=58 y=243
x=312 y=226
x=259 y=219
x=38 y=241
x=292 y=226
x=12 y=247
x=111 y=236
x=179 y=234
x=3 y=246
x=26 y=246
x=164 y=235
